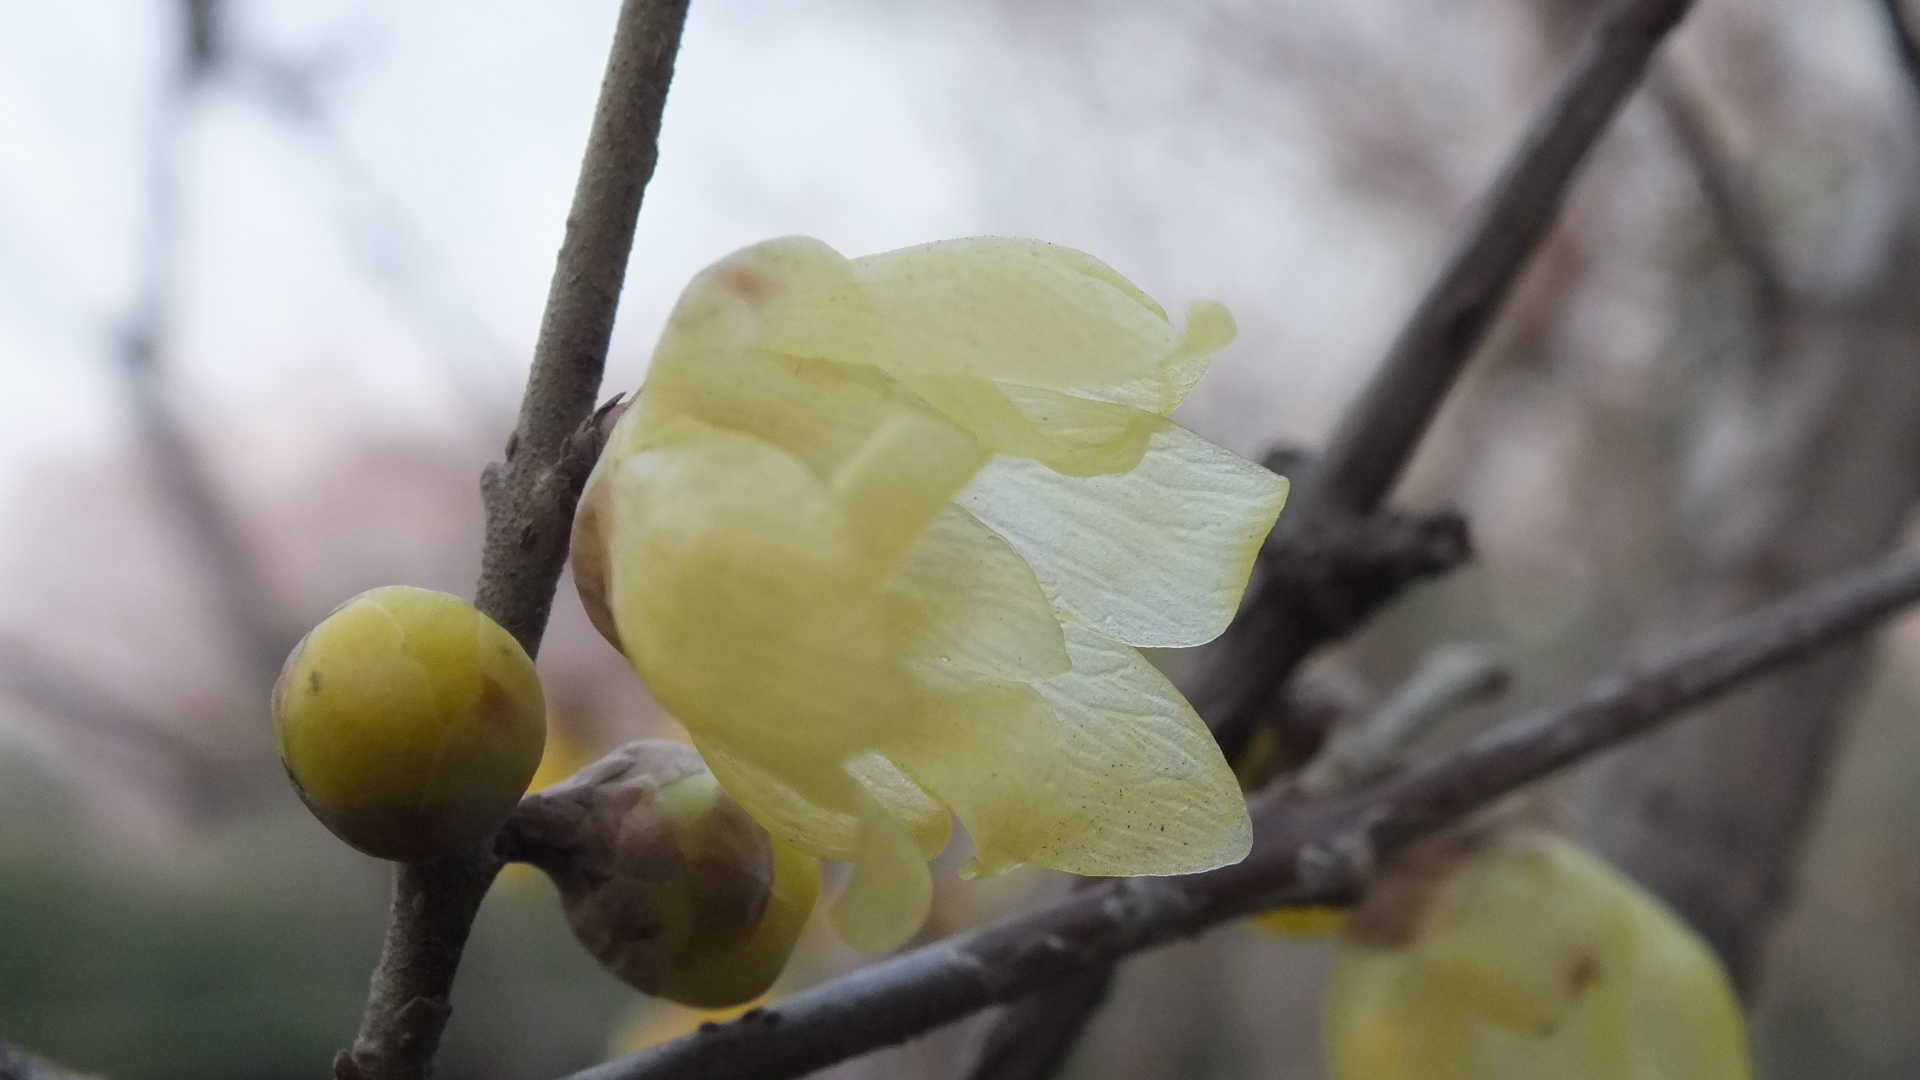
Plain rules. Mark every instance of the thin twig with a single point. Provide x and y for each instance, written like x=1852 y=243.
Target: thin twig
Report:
x=1725 y=191
x=1034 y=1037
x=232 y=572
x=1304 y=851
x=1377 y=434
x=1320 y=577
x=1905 y=44
x=83 y=705
x=1370 y=746
x=530 y=501
x=1376 y=437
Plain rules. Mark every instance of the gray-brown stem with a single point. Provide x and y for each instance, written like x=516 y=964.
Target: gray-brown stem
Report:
x=530 y=500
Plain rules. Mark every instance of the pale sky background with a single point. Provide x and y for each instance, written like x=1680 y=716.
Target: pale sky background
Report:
x=870 y=125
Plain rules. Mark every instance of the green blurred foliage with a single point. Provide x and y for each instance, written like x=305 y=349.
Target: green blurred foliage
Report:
x=246 y=954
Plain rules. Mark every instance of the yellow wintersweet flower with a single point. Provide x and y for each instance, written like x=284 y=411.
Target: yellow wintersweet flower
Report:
x=884 y=534
x=1522 y=956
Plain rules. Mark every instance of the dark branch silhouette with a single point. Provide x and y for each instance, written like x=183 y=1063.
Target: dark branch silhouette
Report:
x=1906 y=45
x=1726 y=193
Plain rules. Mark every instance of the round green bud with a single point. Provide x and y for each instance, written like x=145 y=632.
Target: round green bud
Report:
x=409 y=722
x=665 y=879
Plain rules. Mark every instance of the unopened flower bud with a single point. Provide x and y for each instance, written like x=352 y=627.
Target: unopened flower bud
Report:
x=409 y=722
x=665 y=879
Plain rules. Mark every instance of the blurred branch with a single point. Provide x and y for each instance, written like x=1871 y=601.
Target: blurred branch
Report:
x=371 y=223
x=1796 y=471
x=1377 y=434
x=1368 y=747
x=1033 y=1039
x=17 y=1064
x=530 y=501
x=1376 y=437
x=1320 y=577
x=1307 y=590
x=1905 y=44
x=1727 y=197
x=1304 y=851
x=41 y=680
x=233 y=575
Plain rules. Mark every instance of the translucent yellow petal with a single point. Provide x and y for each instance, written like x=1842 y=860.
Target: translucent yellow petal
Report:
x=1210 y=328
x=993 y=753
x=901 y=477
x=1072 y=435
x=996 y=308
x=930 y=823
x=732 y=303
x=829 y=828
x=828 y=825
x=965 y=598
x=1155 y=557
x=890 y=891
x=819 y=411
x=746 y=602
x=1165 y=800
x=1104 y=769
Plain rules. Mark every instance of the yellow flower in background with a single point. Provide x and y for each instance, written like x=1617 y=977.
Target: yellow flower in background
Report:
x=656 y=1022
x=885 y=535
x=1303 y=922
x=1526 y=957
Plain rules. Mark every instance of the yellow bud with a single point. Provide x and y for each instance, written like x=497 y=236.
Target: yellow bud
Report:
x=665 y=879
x=409 y=722
x=1512 y=953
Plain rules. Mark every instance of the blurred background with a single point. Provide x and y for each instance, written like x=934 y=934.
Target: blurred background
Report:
x=270 y=274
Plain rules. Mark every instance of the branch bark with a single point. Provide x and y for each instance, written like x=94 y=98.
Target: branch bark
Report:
x=1376 y=437
x=1304 y=851
x=530 y=496
x=1377 y=434
x=530 y=501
